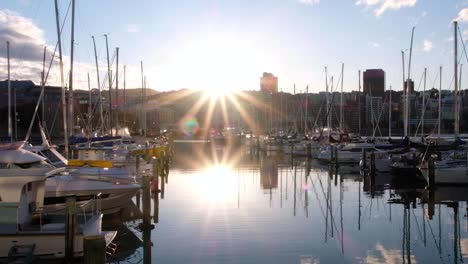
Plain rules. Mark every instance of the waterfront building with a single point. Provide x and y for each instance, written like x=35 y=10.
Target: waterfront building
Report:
x=269 y=83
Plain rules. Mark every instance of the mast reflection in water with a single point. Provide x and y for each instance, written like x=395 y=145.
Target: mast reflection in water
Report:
x=227 y=205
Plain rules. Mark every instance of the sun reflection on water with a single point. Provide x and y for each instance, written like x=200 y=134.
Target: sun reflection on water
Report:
x=218 y=184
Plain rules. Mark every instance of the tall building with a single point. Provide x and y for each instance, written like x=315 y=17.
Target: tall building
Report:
x=269 y=83
x=374 y=82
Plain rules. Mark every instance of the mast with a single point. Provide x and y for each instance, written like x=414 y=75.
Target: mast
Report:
x=70 y=77
x=390 y=113
x=101 y=112
x=405 y=124
x=423 y=103
x=109 y=77
x=117 y=90
x=408 y=90
x=144 y=114
x=306 y=109
x=341 y=100
x=455 y=71
x=10 y=127
x=359 y=101
x=327 y=99
x=124 y=97
x=143 y=105
x=43 y=88
x=10 y=132
x=90 y=115
x=295 y=113
x=62 y=82
x=440 y=100
x=329 y=120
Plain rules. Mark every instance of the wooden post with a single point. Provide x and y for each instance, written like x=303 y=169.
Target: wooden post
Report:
x=146 y=204
x=309 y=150
x=336 y=157
x=364 y=159
x=94 y=248
x=332 y=156
x=137 y=165
x=70 y=223
x=372 y=163
x=431 y=174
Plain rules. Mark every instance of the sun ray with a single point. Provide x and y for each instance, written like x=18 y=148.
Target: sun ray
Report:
x=245 y=116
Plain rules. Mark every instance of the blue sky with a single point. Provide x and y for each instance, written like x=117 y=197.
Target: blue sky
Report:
x=228 y=44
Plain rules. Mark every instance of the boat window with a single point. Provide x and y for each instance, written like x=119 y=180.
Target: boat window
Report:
x=50 y=156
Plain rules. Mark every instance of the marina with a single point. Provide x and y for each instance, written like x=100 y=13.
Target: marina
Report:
x=106 y=158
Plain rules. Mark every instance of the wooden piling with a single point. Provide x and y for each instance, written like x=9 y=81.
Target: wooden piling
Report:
x=309 y=150
x=332 y=154
x=146 y=204
x=431 y=174
x=336 y=156
x=94 y=249
x=137 y=165
x=364 y=159
x=70 y=223
x=372 y=163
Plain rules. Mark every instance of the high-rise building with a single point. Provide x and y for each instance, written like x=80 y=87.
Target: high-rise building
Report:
x=374 y=82
x=269 y=83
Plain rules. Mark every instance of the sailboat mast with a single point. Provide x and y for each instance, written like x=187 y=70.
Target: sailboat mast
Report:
x=117 y=90
x=327 y=99
x=306 y=109
x=455 y=72
x=124 y=96
x=43 y=87
x=143 y=105
x=70 y=77
x=423 y=103
x=10 y=130
x=405 y=124
x=408 y=90
x=440 y=100
x=62 y=82
x=390 y=113
x=359 y=101
x=330 y=113
x=109 y=77
x=341 y=100
x=101 y=111
x=90 y=116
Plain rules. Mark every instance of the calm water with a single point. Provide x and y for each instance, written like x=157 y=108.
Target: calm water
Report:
x=230 y=206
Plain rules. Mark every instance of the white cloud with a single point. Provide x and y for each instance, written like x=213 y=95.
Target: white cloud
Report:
x=375 y=45
x=383 y=5
x=309 y=2
x=427 y=45
x=133 y=28
x=26 y=52
x=462 y=15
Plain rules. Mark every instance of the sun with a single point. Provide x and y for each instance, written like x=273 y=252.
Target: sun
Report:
x=213 y=92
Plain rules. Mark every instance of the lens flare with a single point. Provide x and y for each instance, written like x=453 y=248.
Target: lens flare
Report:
x=190 y=127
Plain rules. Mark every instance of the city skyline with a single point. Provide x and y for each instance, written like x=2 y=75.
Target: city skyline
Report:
x=220 y=45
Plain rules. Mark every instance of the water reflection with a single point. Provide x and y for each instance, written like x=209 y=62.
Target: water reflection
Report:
x=234 y=206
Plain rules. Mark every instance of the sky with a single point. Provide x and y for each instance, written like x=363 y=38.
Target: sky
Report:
x=229 y=44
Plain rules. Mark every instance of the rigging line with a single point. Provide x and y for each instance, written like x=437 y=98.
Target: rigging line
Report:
x=329 y=207
x=423 y=110
x=463 y=43
x=417 y=225
x=439 y=249
x=46 y=77
x=23 y=47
